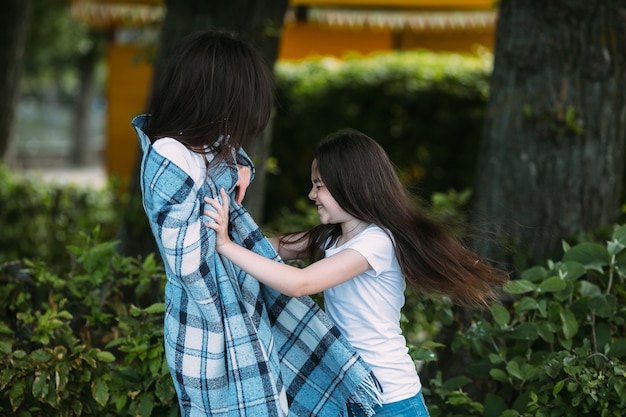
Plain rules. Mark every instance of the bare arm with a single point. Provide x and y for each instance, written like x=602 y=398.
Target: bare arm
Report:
x=287 y=279
x=291 y=248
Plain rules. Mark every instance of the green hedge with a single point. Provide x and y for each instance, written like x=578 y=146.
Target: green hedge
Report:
x=39 y=220
x=557 y=345
x=89 y=342
x=425 y=109
x=82 y=333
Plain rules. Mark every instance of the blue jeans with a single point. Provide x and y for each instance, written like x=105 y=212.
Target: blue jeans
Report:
x=411 y=407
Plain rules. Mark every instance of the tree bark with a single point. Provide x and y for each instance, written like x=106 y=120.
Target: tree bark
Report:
x=258 y=22
x=552 y=158
x=14 y=24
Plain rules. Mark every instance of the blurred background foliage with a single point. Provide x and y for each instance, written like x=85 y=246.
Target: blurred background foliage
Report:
x=426 y=109
x=56 y=43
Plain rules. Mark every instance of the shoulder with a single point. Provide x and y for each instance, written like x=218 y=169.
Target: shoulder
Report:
x=177 y=153
x=375 y=245
x=374 y=235
x=172 y=149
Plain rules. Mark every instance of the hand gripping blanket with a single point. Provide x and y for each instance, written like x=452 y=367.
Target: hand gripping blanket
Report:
x=236 y=347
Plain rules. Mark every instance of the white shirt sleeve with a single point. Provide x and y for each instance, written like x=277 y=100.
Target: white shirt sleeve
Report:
x=375 y=246
x=190 y=162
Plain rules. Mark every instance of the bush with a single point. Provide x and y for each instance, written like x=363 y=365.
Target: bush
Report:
x=557 y=346
x=88 y=342
x=39 y=220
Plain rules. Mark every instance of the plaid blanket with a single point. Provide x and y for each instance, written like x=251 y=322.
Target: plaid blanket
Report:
x=235 y=347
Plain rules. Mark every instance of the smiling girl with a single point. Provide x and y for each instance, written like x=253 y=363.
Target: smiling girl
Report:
x=372 y=240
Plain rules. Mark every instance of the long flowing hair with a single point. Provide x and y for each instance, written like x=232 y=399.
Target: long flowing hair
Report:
x=362 y=179
x=214 y=90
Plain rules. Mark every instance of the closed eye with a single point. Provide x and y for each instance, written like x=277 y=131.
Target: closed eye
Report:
x=318 y=184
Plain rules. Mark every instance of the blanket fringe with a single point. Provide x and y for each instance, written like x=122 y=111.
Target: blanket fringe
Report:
x=367 y=395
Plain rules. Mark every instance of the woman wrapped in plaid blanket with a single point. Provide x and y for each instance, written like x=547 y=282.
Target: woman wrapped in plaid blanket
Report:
x=234 y=347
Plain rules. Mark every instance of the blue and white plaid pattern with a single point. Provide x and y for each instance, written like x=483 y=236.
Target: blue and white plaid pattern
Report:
x=236 y=347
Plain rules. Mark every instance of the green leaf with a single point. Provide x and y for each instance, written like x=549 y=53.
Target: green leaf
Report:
x=41 y=356
x=570 y=325
x=545 y=331
x=16 y=394
x=4 y=329
x=534 y=274
x=603 y=305
x=105 y=356
x=495 y=358
x=499 y=375
x=121 y=402
x=514 y=370
x=164 y=390
x=500 y=315
x=61 y=376
x=542 y=306
x=456 y=382
x=619 y=234
x=155 y=308
x=494 y=406
x=566 y=343
x=592 y=255
x=19 y=354
x=100 y=391
x=525 y=331
x=525 y=304
x=571 y=271
x=145 y=404
x=552 y=284
x=40 y=386
x=614 y=247
x=529 y=371
x=6 y=376
x=620 y=264
x=557 y=388
x=518 y=286
x=6 y=347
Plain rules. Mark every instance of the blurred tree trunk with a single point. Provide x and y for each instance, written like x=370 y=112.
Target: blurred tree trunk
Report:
x=258 y=22
x=86 y=65
x=14 y=24
x=552 y=158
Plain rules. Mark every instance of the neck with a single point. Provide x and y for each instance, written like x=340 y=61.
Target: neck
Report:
x=350 y=229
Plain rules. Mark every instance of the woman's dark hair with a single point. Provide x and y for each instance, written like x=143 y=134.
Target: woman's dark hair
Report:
x=362 y=179
x=212 y=86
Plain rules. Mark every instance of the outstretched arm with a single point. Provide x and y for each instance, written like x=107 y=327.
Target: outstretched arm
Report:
x=287 y=279
x=292 y=247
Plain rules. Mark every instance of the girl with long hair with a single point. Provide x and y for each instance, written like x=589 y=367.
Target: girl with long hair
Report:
x=374 y=239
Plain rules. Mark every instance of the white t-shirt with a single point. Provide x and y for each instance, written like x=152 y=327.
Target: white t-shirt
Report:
x=367 y=311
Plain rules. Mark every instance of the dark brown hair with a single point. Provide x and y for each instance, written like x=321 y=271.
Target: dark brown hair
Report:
x=212 y=86
x=362 y=179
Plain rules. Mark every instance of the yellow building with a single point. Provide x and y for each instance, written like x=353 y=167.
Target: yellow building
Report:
x=312 y=28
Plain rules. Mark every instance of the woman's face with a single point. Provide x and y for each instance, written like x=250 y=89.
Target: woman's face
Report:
x=328 y=209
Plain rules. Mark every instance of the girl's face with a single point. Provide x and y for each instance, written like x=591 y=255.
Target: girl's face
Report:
x=327 y=208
